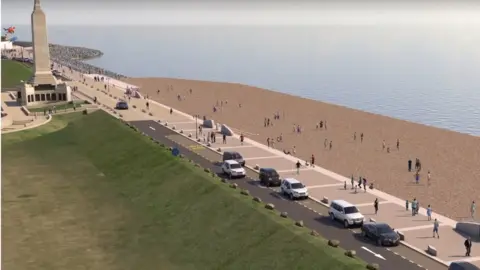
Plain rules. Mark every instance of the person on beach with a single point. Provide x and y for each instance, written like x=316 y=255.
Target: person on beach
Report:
x=158 y=91
x=468 y=246
x=375 y=205
x=417 y=177
x=365 y=184
x=355 y=136
x=325 y=144
x=241 y=138
x=147 y=105
x=325 y=124
x=330 y=145
x=429 y=213
x=312 y=161
x=360 y=181
x=409 y=165
x=298 y=165
x=428 y=177
x=436 y=224
x=294 y=150
x=171 y=111
x=383 y=145
x=398 y=144
x=473 y=209
x=352 y=181
x=361 y=137
x=414 y=206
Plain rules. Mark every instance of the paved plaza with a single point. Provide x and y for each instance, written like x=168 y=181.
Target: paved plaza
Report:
x=321 y=183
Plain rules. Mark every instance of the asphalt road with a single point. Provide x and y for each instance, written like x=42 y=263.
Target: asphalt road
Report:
x=313 y=215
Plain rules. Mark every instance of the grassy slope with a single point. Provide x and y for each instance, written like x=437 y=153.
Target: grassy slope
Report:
x=96 y=195
x=13 y=72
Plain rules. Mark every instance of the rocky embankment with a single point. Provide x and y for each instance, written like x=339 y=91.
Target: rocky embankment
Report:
x=73 y=57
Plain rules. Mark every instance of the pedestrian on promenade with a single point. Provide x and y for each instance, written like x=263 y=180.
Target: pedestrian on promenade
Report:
x=375 y=205
x=436 y=224
x=409 y=165
x=148 y=105
x=298 y=165
x=468 y=246
x=429 y=213
x=473 y=209
x=414 y=206
x=171 y=111
x=360 y=181
x=224 y=139
x=268 y=142
x=241 y=136
x=365 y=184
x=417 y=208
x=352 y=181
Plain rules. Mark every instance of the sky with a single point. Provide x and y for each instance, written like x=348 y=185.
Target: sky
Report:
x=246 y=12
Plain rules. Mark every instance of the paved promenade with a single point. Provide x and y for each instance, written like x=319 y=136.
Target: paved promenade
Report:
x=321 y=183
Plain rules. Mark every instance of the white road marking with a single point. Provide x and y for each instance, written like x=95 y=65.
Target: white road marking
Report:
x=152 y=128
x=256 y=158
x=375 y=254
x=324 y=186
x=237 y=146
x=467 y=259
x=293 y=170
x=421 y=227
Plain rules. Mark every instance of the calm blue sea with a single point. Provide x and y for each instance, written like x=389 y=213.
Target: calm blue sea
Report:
x=425 y=75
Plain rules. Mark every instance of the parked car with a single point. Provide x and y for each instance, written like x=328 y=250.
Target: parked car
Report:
x=233 y=169
x=346 y=213
x=462 y=266
x=122 y=105
x=269 y=177
x=293 y=189
x=231 y=155
x=381 y=233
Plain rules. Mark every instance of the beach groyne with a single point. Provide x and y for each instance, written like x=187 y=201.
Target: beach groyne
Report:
x=74 y=57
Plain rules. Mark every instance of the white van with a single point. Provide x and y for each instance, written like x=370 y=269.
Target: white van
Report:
x=346 y=213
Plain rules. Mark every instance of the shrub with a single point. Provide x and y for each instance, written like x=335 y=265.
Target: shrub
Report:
x=257 y=199
x=350 y=253
x=299 y=223
x=373 y=266
x=269 y=206
x=207 y=170
x=234 y=186
x=333 y=243
x=314 y=233
x=85 y=112
x=284 y=214
x=245 y=192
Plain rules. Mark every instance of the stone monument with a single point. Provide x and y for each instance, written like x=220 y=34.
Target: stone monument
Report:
x=43 y=87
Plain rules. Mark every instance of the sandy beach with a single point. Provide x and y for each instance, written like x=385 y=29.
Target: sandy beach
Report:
x=452 y=158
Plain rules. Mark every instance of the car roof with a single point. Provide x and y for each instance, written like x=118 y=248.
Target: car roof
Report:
x=463 y=266
x=268 y=169
x=378 y=224
x=342 y=203
x=291 y=180
x=231 y=161
x=231 y=152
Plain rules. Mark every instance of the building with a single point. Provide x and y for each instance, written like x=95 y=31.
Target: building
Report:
x=43 y=87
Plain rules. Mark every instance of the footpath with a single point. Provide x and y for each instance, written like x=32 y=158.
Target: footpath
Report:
x=324 y=186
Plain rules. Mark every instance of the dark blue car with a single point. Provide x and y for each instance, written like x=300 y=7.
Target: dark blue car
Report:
x=122 y=105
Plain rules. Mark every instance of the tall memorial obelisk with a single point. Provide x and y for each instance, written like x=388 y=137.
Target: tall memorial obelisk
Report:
x=43 y=87
x=41 y=52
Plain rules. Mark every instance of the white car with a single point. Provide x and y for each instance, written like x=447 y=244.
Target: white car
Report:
x=294 y=189
x=233 y=169
x=346 y=213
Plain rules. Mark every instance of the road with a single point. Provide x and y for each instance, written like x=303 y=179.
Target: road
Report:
x=313 y=215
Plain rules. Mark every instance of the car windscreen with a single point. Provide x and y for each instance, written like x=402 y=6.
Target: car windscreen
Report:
x=297 y=186
x=235 y=166
x=350 y=210
x=272 y=173
x=236 y=156
x=384 y=229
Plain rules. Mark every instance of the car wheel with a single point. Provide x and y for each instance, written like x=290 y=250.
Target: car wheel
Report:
x=345 y=223
x=332 y=216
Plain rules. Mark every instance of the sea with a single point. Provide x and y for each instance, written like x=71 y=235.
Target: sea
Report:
x=428 y=75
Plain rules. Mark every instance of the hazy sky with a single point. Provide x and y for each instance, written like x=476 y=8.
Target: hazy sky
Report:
x=246 y=12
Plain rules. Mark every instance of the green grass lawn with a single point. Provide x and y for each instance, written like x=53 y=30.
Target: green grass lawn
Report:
x=87 y=192
x=13 y=72
x=60 y=107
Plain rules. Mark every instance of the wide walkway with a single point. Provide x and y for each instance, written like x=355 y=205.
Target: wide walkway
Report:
x=321 y=183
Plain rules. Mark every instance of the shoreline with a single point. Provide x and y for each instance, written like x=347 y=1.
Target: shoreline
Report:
x=451 y=156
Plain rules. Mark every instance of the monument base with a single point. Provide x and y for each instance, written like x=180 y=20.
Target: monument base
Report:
x=30 y=95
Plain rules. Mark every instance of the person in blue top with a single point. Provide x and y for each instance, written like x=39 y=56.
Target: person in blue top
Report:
x=429 y=212
x=414 y=206
x=436 y=224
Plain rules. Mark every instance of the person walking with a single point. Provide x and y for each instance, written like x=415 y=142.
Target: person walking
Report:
x=436 y=224
x=241 y=137
x=414 y=206
x=298 y=165
x=429 y=213
x=473 y=209
x=409 y=165
x=398 y=144
x=352 y=181
x=361 y=137
x=468 y=246
x=383 y=145
x=224 y=139
x=417 y=177
x=428 y=177
x=312 y=161
x=365 y=184
x=375 y=205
